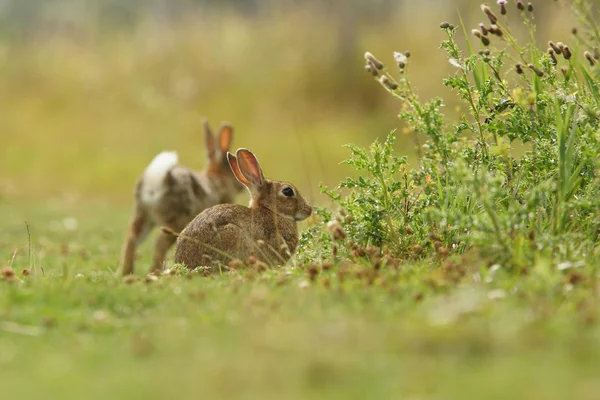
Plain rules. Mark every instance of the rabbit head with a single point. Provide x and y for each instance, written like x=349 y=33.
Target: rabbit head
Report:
x=216 y=153
x=281 y=198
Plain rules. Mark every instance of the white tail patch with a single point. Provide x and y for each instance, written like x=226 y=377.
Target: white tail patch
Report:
x=153 y=186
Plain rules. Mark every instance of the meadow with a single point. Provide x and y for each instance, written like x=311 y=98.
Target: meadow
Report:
x=454 y=257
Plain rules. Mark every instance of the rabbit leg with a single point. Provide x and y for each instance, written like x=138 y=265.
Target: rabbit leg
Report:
x=163 y=243
x=139 y=228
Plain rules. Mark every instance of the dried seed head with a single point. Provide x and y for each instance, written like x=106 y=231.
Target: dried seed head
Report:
x=588 y=56
x=519 y=69
x=556 y=49
x=337 y=231
x=520 y=5
x=370 y=57
x=236 y=264
x=487 y=11
x=384 y=80
x=261 y=266
x=373 y=251
x=445 y=25
x=536 y=70
x=313 y=271
x=552 y=56
x=327 y=266
x=529 y=7
x=7 y=273
x=567 y=53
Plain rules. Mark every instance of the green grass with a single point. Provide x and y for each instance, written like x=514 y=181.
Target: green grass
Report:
x=495 y=292
x=71 y=329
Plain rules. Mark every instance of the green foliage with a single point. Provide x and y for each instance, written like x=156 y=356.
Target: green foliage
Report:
x=516 y=179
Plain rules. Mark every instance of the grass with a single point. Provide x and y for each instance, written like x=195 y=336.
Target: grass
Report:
x=491 y=287
x=71 y=329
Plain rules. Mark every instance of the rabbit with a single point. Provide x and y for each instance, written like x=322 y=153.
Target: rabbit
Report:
x=266 y=229
x=171 y=195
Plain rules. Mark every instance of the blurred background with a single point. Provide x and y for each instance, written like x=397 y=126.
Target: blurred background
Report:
x=91 y=90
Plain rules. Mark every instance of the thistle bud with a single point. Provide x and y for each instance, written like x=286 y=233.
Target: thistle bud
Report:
x=520 y=5
x=384 y=80
x=565 y=71
x=483 y=29
x=552 y=56
x=487 y=11
x=567 y=53
x=370 y=57
x=536 y=70
x=529 y=7
x=519 y=69
x=574 y=31
x=588 y=56
x=371 y=68
x=502 y=4
x=445 y=25
x=495 y=30
x=556 y=49
x=476 y=33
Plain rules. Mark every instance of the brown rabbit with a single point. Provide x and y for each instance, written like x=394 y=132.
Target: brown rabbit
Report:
x=171 y=195
x=266 y=229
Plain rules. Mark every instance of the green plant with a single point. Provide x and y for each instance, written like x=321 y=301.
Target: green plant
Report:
x=516 y=179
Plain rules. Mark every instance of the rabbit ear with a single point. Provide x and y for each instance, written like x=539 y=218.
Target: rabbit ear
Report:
x=225 y=137
x=233 y=163
x=250 y=167
x=209 y=140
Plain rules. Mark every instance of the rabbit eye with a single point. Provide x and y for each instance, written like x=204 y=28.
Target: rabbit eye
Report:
x=288 y=192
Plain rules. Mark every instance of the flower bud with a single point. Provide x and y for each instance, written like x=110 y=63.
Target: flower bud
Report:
x=370 y=57
x=487 y=11
x=384 y=80
x=588 y=56
x=519 y=69
x=552 y=56
x=536 y=70
x=556 y=49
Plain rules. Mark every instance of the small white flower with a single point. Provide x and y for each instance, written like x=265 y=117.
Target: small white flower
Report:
x=400 y=58
x=456 y=63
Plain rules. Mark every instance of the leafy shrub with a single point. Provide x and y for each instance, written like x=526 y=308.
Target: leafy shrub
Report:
x=472 y=190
